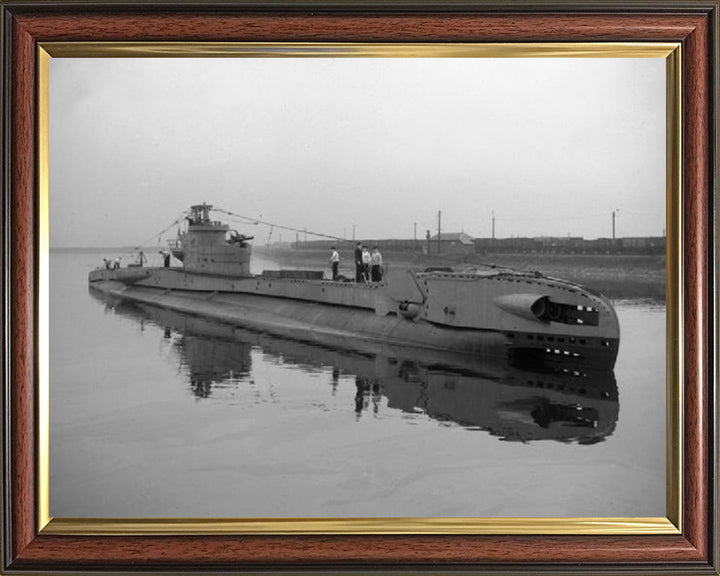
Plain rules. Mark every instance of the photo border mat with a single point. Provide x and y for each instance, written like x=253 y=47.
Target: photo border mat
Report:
x=671 y=524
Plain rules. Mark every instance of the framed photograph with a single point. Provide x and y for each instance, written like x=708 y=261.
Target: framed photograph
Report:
x=359 y=286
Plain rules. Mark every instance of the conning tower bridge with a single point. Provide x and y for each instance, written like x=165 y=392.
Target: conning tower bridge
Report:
x=211 y=247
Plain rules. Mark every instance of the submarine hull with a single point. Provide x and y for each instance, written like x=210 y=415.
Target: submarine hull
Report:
x=308 y=309
x=311 y=321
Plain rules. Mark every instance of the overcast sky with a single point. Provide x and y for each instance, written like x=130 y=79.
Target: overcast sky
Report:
x=551 y=146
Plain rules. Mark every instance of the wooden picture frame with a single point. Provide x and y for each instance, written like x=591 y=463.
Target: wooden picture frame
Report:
x=26 y=25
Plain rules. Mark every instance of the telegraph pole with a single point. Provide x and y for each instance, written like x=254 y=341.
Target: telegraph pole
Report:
x=353 y=232
x=493 y=225
x=613 y=221
x=415 y=232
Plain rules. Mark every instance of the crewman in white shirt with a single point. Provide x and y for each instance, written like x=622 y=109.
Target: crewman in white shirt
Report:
x=366 y=259
x=335 y=262
x=376 y=261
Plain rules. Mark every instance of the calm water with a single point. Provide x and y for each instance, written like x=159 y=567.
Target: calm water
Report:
x=153 y=413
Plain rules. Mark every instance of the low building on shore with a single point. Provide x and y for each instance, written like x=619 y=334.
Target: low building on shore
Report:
x=449 y=244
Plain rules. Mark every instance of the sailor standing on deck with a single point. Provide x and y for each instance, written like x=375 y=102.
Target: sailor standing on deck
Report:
x=358 y=262
x=376 y=262
x=166 y=258
x=335 y=261
x=366 y=260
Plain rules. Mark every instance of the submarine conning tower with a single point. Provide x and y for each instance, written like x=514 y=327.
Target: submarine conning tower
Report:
x=211 y=247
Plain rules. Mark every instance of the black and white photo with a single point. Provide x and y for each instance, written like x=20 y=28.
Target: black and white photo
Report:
x=357 y=287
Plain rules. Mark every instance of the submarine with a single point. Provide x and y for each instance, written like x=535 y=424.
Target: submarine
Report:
x=526 y=317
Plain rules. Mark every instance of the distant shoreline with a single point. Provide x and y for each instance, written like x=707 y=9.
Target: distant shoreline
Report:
x=93 y=250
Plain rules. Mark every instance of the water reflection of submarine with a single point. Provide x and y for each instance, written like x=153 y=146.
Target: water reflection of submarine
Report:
x=507 y=401
x=518 y=406
x=209 y=355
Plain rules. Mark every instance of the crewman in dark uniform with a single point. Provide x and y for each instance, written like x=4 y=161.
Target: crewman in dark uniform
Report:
x=166 y=258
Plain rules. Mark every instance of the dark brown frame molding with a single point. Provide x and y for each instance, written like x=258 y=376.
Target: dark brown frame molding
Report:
x=25 y=24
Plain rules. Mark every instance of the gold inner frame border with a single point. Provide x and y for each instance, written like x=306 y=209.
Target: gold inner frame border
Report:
x=670 y=524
